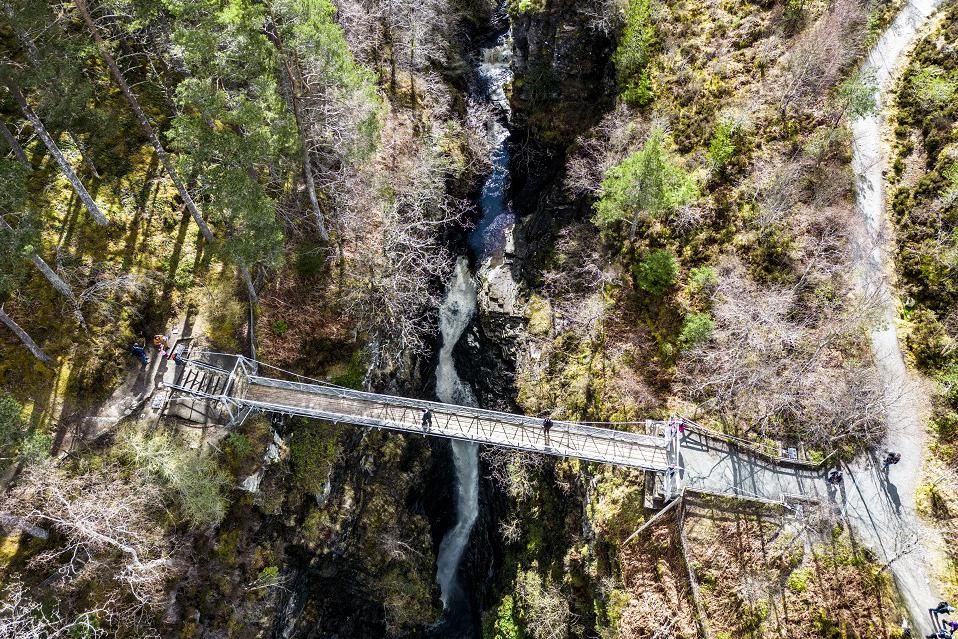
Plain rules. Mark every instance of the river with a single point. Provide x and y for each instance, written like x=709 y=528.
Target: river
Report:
x=486 y=241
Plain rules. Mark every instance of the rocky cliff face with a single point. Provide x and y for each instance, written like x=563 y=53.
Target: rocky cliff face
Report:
x=563 y=77
x=564 y=83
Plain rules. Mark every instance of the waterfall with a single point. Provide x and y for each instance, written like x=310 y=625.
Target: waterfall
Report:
x=486 y=241
x=454 y=315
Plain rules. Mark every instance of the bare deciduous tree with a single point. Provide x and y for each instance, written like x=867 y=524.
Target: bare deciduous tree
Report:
x=394 y=259
x=822 y=53
x=23 y=618
x=785 y=362
x=108 y=529
x=547 y=612
x=606 y=144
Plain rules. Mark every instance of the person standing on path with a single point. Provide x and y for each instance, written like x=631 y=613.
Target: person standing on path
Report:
x=140 y=353
x=427 y=420
x=546 y=427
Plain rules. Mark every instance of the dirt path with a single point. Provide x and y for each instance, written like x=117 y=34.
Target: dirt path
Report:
x=883 y=507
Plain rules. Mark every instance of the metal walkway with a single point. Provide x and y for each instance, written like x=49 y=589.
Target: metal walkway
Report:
x=242 y=390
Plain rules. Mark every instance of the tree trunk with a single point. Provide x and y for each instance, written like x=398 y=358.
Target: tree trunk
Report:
x=84 y=154
x=26 y=339
x=14 y=144
x=34 y=55
x=247 y=280
x=290 y=90
x=55 y=151
x=13 y=522
x=62 y=287
x=144 y=121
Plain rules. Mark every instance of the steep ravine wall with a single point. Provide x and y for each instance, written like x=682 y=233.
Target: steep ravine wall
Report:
x=563 y=84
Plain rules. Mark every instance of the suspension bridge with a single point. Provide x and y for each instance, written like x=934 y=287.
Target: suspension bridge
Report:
x=234 y=386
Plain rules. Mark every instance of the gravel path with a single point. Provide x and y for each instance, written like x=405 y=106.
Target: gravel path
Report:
x=883 y=507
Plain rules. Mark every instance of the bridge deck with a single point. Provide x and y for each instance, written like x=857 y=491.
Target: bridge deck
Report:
x=455 y=422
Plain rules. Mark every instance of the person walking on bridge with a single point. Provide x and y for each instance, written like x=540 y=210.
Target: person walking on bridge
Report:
x=546 y=427
x=891 y=458
x=427 y=420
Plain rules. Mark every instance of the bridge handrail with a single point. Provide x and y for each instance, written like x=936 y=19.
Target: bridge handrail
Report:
x=762 y=449
x=379 y=423
x=512 y=418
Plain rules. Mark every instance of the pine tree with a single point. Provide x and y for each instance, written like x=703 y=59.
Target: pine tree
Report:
x=143 y=120
x=41 y=131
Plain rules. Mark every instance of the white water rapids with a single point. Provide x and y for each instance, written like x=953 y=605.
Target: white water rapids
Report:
x=454 y=316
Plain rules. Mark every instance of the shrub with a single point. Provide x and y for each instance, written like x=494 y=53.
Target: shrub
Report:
x=506 y=626
x=194 y=477
x=540 y=316
x=934 y=87
x=798 y=581
x=12 y=428
x=35 y=447
x=857 y=95
x=280 y=327
x=312 y=450
x=928 y=341
x=722 y=144
x=696 y=328
x=702 y=281
x=632 y=56
x=657 y=273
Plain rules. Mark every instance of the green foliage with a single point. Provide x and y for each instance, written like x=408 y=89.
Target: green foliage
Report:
x=616 y=509
x=311 y=30
x=858 y=95
x=933 y=87
x=633 y=53
x=506 y=624
x=949 y=189
x=310 y=262
x=722 y=145
x=12 y=429
x=195 y=479
x=353 y=375
x=696 y=328
x=279 y=327
x=928 y=341
x=519 y=7
x=702 y=281
x=798 y=581
x=312 y=451
x=239 y=451
x=540 y=316
x=612 y=610
x=226 y=315
x=647 y=183
x=657 y=272
x=234 y=130
x=35 y=447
